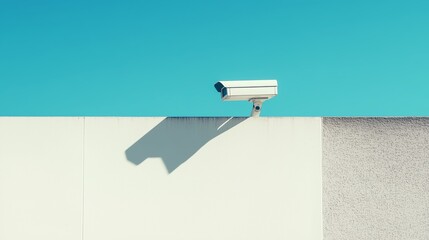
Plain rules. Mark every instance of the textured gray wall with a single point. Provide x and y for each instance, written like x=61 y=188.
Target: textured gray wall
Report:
x=376 y=178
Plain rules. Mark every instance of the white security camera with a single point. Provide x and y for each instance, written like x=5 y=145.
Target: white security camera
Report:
x=255 y=91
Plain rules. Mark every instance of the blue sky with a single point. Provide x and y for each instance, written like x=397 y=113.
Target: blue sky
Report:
x=161 y=58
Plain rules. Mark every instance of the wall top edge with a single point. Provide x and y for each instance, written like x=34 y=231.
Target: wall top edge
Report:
x=378 y=117
x=158 y=117
x=214 y=117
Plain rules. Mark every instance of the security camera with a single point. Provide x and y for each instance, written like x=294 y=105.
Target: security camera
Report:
x=255 y=91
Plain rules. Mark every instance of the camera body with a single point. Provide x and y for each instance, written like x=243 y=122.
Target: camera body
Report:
x=256 y=91
x=247 y=89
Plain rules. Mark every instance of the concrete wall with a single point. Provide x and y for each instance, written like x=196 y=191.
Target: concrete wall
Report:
x=160 y=178
x=214 y=178
x=376 y=178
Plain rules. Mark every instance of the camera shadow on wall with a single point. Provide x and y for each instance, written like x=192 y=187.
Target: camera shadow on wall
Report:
x=176 y=139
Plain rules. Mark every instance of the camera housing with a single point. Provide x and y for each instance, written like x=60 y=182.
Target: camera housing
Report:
x=256 y=91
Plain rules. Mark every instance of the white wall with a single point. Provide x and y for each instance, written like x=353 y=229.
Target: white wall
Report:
x=160 y=178
x=41 y=178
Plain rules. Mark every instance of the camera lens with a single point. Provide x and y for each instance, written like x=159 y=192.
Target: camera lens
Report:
x=257 y=108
